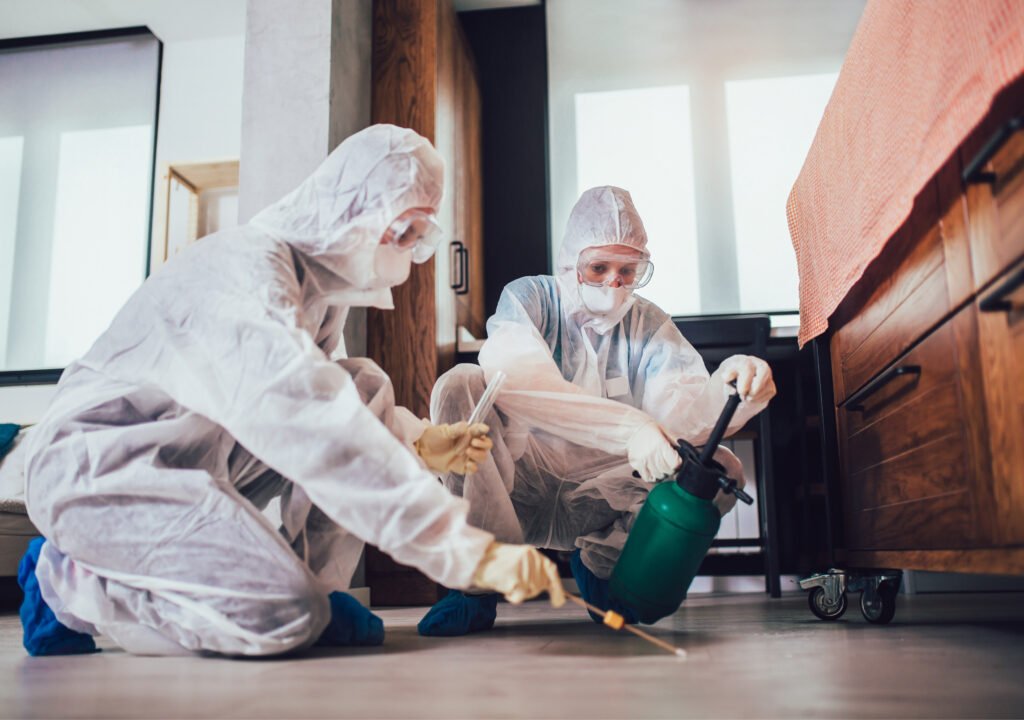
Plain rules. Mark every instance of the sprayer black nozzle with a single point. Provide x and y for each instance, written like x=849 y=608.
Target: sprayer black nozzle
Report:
x=730 y=486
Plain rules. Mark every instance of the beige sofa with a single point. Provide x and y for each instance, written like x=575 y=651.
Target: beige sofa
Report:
x=16 y=530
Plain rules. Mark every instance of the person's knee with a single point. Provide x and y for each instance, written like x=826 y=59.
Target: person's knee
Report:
x=288 y=623
x=463 y=377
x=309 y=608
x=370 y=379
x=317 y=610
x=455 y=392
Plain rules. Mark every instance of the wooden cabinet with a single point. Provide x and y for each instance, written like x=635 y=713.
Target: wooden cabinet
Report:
x=998 y=204
x=459 y=140
x=1001 y=343
x=904 y=300
x=928 y=372
x=907 y=462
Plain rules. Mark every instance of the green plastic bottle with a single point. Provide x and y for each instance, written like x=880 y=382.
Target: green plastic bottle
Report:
x=674 y=529
x=669 y=539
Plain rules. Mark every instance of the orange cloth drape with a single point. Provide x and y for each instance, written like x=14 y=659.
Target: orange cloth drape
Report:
x=918 y=77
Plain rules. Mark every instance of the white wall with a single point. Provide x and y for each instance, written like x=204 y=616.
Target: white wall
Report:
x=24 y=404
x=200 y=119
x=201 y=100
x=201 y=116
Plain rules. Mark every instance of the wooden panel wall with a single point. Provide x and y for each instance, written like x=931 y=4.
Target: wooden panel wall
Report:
x=404 y=76
x=420 y=81
x=424 y=78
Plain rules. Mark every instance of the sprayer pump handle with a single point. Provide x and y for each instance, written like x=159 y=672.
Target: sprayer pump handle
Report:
x=729 y=486
x=722 y=424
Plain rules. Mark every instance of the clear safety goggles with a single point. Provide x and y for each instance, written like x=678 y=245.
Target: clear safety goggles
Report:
x=416 y=230
x=601 y=267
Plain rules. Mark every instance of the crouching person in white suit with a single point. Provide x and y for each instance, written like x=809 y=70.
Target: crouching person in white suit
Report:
x=600 y=382
x=222 y=384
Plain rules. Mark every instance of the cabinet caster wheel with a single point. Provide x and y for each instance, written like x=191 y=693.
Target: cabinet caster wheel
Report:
x=878 y=606
x=822 y=609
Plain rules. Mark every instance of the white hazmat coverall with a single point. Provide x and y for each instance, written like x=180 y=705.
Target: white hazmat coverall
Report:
x=221 y=384
x=579 y=387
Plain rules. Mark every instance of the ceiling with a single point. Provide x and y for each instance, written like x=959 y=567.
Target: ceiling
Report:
x=170 y=20
x=467 y=5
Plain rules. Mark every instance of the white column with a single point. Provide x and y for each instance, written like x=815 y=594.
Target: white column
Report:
x=306 y=88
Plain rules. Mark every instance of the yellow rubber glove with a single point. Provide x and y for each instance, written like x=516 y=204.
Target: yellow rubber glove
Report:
x=454 y=448
x=519 y=572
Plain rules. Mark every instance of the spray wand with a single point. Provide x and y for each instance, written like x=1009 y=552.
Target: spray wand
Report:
x=616 y=622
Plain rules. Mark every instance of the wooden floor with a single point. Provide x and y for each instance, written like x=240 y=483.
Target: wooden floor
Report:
x=943 y=656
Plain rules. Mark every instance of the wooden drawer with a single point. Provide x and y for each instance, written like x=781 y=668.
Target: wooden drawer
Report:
x=995 y=204
x=906 y=293
x=908 y=463
x=1001 y=341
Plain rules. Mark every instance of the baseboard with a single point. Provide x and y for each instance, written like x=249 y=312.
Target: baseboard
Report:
x=921 y=581
x=362 y=594
x=708 y=584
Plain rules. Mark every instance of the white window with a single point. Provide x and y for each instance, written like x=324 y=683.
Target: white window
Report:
x=771 y=125
x=641 y=140
x=102 y=212
x=10 y=194
x=77 y=122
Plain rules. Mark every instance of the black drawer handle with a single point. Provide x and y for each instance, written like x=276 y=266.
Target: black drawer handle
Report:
x=997 y=302
x=974 y=172
x=855 y=403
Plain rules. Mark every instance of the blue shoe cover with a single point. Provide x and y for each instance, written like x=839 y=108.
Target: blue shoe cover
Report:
x=351 y=624
x=43 y=633
x=459 y=614
x=595 y=591
x=8 y=432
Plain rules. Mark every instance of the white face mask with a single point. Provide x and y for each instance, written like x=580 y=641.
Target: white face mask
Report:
x=391 y=266
x=603 y=300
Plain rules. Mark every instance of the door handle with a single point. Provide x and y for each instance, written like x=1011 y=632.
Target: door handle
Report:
x=460 y=267
x=855 y=403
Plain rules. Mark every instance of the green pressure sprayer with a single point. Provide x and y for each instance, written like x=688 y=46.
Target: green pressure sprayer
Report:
x=674 y=529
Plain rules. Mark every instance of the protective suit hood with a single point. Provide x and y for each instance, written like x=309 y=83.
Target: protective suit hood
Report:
x=602 y=216
x=337 y=216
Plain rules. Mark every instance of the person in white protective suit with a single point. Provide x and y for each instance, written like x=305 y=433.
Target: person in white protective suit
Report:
x=222 y=384
x=599 y=383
